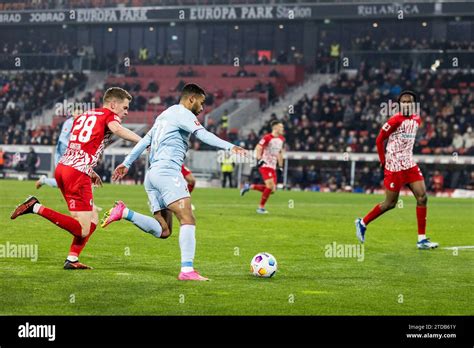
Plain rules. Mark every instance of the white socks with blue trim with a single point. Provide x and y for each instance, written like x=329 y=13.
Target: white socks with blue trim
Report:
x=187 y=244
x=145 y=223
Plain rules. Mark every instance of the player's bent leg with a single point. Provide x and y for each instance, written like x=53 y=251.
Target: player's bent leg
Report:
x=32 y=206
x=182 y=209
x=145 y=223
x=95 y=215
x=269 y=189
x=165 y=219
x=85 y=219
x=391 y=199
x=419 y=191
x=79 y=242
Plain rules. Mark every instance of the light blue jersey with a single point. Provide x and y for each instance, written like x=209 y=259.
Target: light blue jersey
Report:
x=63 y=139
x=168 y=139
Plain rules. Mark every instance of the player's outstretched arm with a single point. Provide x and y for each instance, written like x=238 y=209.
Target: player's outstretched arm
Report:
x=123 y=132
x=211 y=139
x=137 y=150
x=119 y=172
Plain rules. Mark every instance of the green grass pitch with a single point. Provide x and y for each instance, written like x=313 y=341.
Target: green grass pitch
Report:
x=135 y=273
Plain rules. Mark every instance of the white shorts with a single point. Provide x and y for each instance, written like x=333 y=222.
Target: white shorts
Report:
x=162 y=190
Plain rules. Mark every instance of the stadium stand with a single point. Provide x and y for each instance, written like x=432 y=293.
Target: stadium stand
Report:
x=24 y=94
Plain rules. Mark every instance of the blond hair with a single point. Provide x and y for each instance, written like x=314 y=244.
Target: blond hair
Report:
x=116 y=93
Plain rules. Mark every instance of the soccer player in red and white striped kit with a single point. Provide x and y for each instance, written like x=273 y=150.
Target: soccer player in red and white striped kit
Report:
x=400 y=168
x=269 y=152
x=75 y=173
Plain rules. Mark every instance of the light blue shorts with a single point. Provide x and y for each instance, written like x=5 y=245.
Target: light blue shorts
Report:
x=164 y=189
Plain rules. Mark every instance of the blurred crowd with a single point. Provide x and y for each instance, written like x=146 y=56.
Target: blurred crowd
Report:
x=370 y=43
x=44 y=46
x=23 y=95
x=346 y=115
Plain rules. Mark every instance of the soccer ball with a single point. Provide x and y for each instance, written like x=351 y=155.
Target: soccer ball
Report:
x=263 y=265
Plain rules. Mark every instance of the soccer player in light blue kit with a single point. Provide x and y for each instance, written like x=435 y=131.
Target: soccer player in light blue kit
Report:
x=61 y=147
x=165 y=186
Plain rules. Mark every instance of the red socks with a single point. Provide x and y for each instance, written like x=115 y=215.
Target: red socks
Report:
x=372 y=215
x=260 y=188
x=79 y=243
x=421 y=219
x=66 y=222
x=266 y=193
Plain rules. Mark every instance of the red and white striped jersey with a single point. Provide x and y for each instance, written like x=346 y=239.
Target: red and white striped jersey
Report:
x=271 y=148
x=401 y=133
x=87 y=141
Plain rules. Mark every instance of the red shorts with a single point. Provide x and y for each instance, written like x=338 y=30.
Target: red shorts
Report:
x=76 y=188
x=268 y=173
x=185 y=171
x=394 y=181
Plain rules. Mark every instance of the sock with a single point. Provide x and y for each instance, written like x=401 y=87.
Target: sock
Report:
x=50 y=182
x=372 y=215
x=190 y=187
x=266 y=193
x=260 y=188
x=66 y=222
x=421 y=219
x=145 y=223
x=78 y=244
x=187 y=244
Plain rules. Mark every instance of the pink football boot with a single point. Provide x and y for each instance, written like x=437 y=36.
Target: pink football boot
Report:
x=193 y=275
x=113 y=214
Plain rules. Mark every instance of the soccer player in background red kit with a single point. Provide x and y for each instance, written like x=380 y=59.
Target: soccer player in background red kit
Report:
x=400 y=168
x=75 y=172
x=269 y=152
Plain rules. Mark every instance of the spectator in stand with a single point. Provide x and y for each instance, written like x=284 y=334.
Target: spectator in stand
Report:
x=152 y=87
x=180 y=85
x=437 y=182
x=273 y=73
x=143 y=55
x=242 y=72
x=31 y=160
x=133 y=72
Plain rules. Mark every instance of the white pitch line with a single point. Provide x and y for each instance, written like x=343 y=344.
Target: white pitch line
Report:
x=460 y=247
